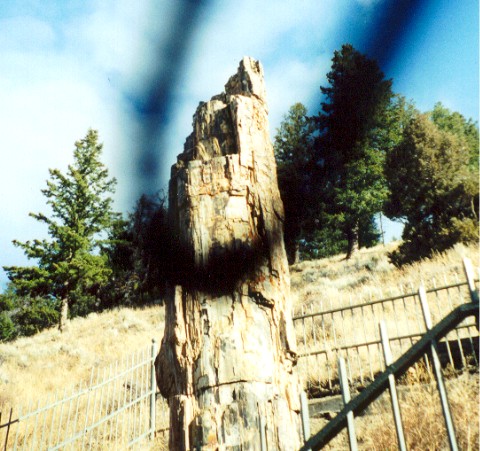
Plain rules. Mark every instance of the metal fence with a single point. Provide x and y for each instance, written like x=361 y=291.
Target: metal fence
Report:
x=117 y=409
x=386 y=380
x=351 y=332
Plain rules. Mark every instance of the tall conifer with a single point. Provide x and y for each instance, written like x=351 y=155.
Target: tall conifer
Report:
x=70 y=267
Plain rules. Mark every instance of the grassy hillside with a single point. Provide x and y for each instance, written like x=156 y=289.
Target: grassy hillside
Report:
x=37 y=366
x=34 y=367
x=369 y=275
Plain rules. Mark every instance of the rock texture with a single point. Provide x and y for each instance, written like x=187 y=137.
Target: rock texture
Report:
x=227 y=359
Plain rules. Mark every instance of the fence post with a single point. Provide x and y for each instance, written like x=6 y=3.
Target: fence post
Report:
x=467 y=265
x=8 y=425
x=153 y=389
x=438 y=372
x=305 y=416
x=393 y=389
x=342 y=372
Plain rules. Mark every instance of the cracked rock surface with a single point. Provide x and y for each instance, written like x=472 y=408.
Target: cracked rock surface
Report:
x=227 y=363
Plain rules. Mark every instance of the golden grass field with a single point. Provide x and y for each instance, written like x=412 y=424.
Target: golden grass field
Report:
x=35 y=367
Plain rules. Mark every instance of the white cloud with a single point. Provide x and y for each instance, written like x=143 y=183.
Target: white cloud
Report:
x=51 y=94
x=24 y=33
x=61 y=78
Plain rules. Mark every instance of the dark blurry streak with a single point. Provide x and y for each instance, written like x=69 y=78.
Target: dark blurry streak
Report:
x=154 y=104
x=394 y=20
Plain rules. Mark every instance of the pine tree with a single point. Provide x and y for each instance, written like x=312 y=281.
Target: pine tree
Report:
x=352 y=142
x=70 y=267
x=433 y=189
x=139 y=255
x=293 y=152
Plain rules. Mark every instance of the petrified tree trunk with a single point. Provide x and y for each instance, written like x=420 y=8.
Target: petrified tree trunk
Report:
x=227 y=360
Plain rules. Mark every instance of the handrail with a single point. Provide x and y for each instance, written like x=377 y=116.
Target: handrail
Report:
x=399 y=367
x=378 y=301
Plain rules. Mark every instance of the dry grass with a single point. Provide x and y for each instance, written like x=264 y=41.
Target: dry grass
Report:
x=36 y=367
x=422 y=417
x=369 y=275
x=327 y=284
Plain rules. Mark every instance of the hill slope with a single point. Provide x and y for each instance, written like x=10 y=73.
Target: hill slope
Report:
x=34 y=367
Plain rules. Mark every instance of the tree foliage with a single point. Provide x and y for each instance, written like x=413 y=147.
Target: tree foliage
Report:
x=295 y=162
x=433 y=186
x=138 y=254
x=456 y=124
x=70 y=268
x=352 y=142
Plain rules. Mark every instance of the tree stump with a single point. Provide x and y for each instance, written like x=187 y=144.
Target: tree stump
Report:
x=227 y=363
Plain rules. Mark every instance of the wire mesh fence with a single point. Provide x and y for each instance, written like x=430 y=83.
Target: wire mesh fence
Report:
x=117 y=409
x=351 y=331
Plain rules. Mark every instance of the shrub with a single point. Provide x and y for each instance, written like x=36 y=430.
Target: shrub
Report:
x=36 y=314
x=8 y=330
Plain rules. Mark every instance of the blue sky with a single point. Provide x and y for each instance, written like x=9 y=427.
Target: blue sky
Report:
x=68 y=66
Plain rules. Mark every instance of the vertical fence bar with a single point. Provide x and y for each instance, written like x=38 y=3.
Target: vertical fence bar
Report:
x=143 y=389
x=76 y=409
x=113 y=406
x=90 y=437
x=315 y=341
x=61 y=415
x=375 y=321
x=342 y=372
x=67 y=425
x=366 y=341
x=451 y=307
x=52 y=421
x=354 y=330
x=440 y=314
x=97 y=406
x=120 y=408
x=147 y=389
x=469 y=274
x=34 y=434
x=438 y=372
x=18 y=429
x=9 y=422
x=304 y=333
x=349 y=367
x=305 y=416
x=325 y=347
x=471 y=284
x=108 y=404
x=128 y=410
x=133 y=411
x=153 y=389
x=102 y=407
x=88 y=406
x=387 y=354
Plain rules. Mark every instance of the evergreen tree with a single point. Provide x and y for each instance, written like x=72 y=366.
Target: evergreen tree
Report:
x=456 y=124
x=433 y=189
x=293 y=152
x=70 y=268
x=138 y=254
x=352 y=143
